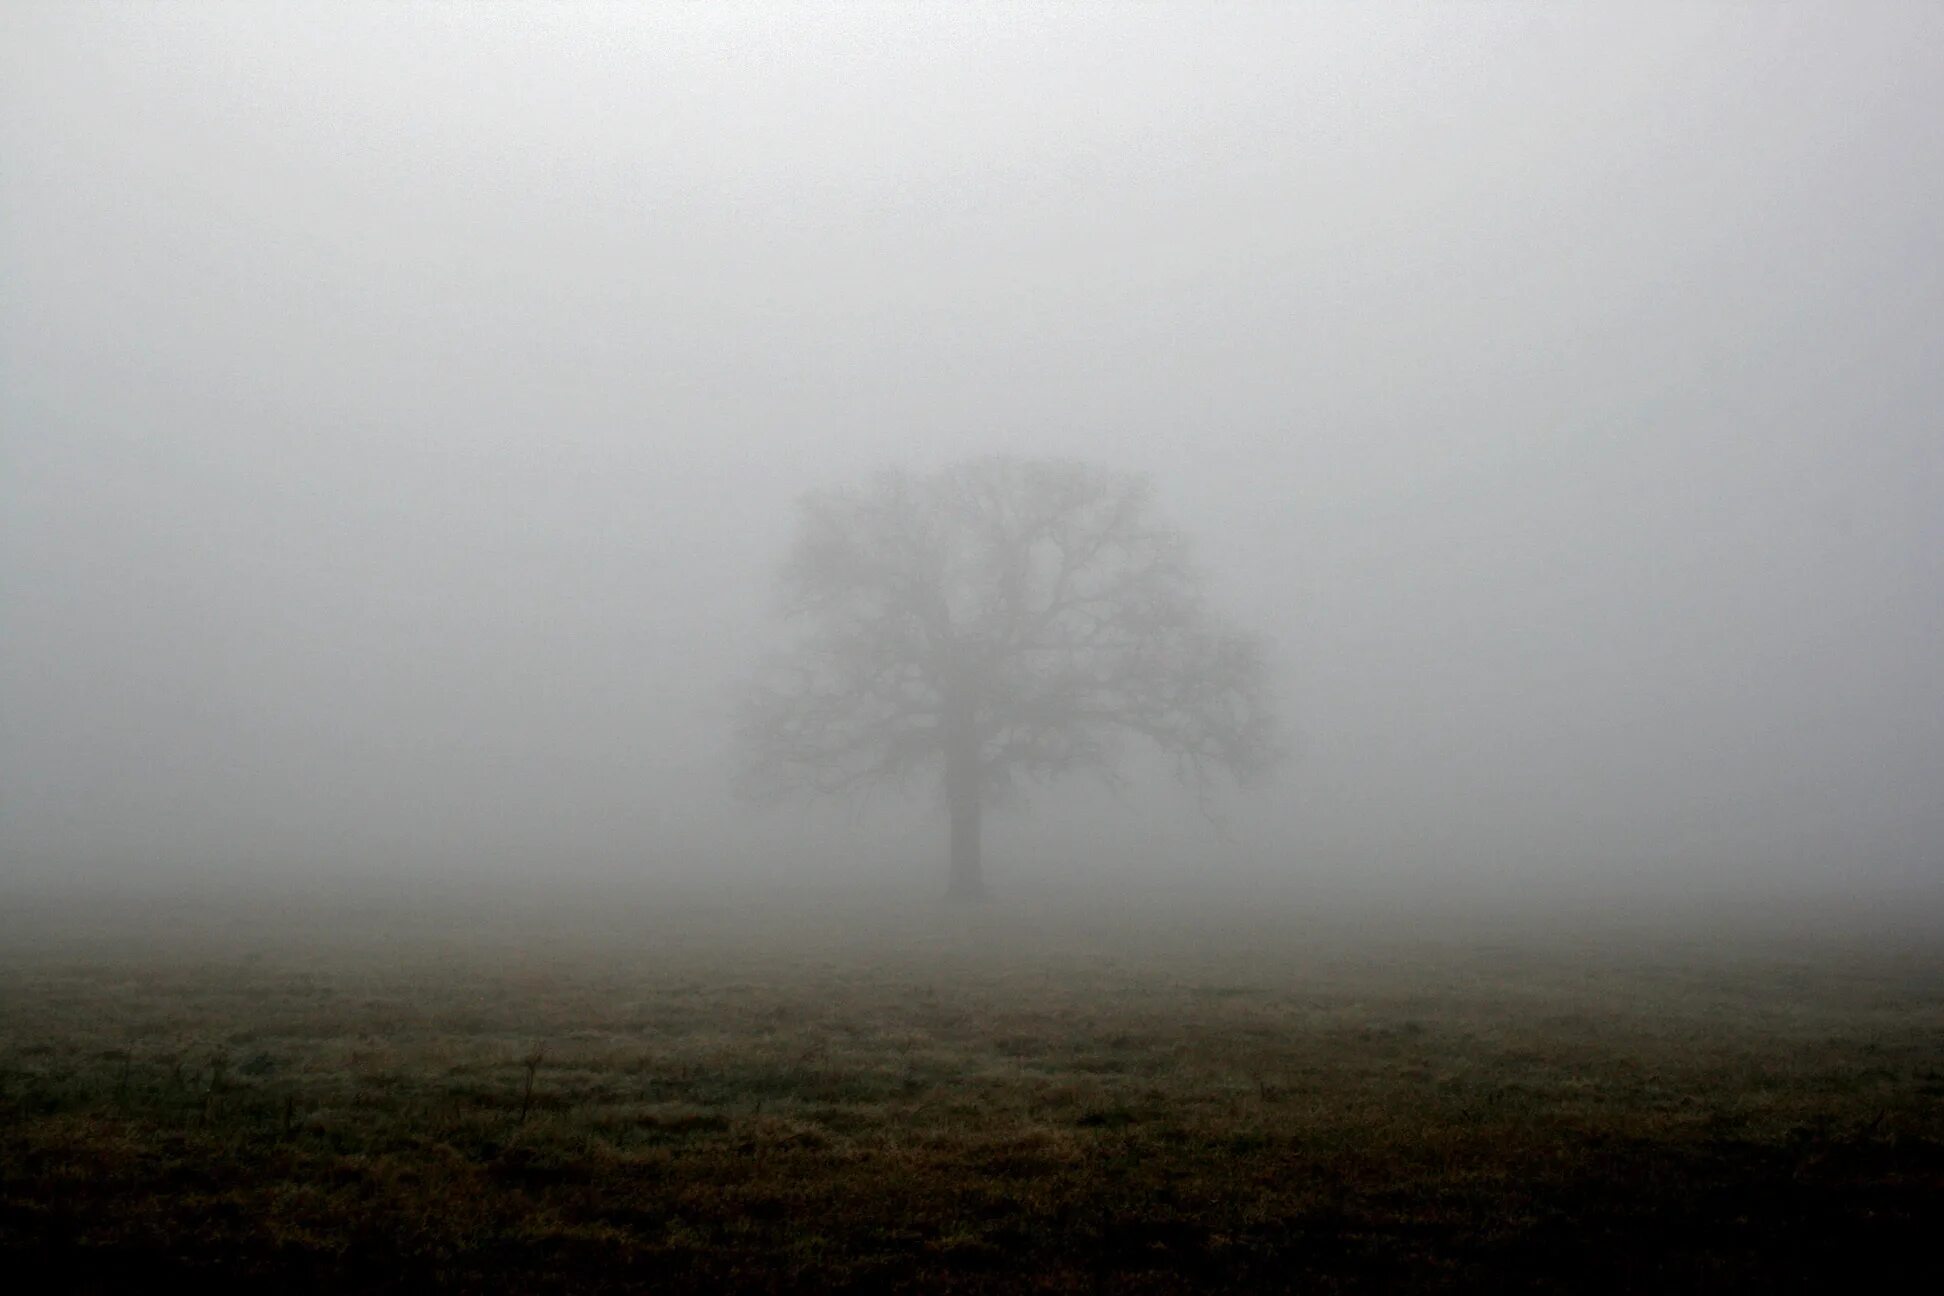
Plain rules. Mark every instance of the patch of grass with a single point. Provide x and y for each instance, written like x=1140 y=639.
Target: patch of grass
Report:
x=792 y=1106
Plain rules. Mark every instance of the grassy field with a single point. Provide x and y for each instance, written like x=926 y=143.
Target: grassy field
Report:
x=620 y=1095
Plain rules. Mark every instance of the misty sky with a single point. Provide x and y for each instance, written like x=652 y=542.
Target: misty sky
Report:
x=401 y=409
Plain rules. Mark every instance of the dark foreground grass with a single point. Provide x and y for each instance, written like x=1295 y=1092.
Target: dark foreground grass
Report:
x=690 y=1100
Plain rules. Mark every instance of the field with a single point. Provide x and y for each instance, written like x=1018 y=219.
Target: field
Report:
x=697 y=1095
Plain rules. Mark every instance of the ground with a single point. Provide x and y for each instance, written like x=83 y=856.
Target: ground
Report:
x=638 y=1094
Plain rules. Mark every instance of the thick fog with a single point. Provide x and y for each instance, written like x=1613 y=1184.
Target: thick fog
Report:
x=403 y=408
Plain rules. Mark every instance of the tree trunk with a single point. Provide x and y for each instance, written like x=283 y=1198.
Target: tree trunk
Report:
x=963 y=796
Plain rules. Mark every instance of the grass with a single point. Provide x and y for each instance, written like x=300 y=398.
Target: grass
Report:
x=622 y=1097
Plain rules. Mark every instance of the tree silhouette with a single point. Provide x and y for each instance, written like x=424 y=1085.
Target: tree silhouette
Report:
x=1000 y=622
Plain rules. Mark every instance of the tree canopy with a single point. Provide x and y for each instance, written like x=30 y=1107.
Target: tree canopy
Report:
x=1000 y=622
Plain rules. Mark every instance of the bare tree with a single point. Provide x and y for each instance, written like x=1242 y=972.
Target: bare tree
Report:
x=1000 y=622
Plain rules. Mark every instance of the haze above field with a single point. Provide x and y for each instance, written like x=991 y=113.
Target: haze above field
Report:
x=401 y=411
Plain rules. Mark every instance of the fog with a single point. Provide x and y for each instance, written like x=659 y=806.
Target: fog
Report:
x=402 y=409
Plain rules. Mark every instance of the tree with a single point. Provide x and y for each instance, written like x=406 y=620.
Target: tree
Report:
x=1000 y=622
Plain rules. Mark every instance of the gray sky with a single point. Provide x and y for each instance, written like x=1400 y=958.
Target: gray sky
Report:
x=400 y=409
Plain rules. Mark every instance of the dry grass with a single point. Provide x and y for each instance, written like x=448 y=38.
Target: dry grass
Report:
x=625 y=1098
